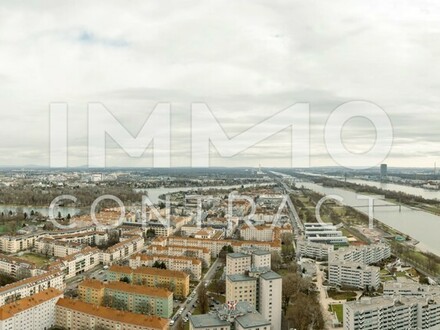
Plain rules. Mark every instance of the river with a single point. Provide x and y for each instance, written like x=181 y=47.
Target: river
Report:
x=422 y=226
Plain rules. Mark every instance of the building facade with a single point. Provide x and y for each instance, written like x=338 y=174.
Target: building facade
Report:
x=30 y=313
x=393 y=313
x=30 y=286
x=78 y=315
x=192 y=266
x=135 y=298
x=355 y=275
x=177 y=282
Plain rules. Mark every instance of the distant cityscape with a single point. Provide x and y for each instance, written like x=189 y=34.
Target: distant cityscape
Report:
x=238 y=249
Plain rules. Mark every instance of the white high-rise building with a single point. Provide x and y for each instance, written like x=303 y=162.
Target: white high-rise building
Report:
x=270 y=287
x=249 y=279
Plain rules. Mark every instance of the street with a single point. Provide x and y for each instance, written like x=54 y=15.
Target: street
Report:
x=190 y=302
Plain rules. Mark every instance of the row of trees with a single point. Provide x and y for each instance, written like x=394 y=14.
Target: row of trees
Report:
x=28 y=195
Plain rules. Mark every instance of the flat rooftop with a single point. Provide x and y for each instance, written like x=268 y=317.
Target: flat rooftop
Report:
x=207 y=320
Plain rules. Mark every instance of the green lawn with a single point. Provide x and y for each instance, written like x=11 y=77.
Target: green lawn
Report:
x=386 y=278
x=400 y=274
x=38 y=259
x=341 y=295
x=338 y=309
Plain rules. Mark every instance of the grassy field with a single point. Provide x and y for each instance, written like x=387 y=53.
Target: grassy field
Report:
x=338 y=309
x=38 y=259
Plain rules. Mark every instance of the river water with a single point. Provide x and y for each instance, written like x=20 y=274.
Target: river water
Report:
x=422 y=226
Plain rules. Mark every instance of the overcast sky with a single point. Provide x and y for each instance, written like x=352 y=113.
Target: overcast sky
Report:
x=246 y=60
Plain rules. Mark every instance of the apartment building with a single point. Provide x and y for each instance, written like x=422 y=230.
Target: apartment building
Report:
x=238 y=263
x=392 y=313
x=263 y=232
x=241 y=288
x=260 y=258
x=270 y=288
x=201 y=253
x=366 y=254
x=207 y=233
x=136 y=298
x=249 y=260
x=53 y=247
x=30 y=313
x=175 y=281
x=80 y=262
x=216 y=245
x=319 y=251
x=78 y=315
x=17 y=243
x=88 y=238
x=18 y=267
x=30 y=286
x=410 y=289
x=192 y=266
x=351 y=274
x=257 y=233
x=122 y=250
x=159 y=228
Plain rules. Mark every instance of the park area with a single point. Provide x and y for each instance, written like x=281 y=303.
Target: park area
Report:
x=37 y=259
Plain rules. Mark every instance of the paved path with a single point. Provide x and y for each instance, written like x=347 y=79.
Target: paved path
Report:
x=323 y=298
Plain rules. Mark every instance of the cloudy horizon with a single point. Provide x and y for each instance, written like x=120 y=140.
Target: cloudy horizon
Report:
x=245 y=60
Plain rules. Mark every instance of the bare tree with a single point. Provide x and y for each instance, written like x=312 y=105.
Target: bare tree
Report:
x=305 y=313
x=293 y=284
x=179 y=324
x=276 y=260
x=202 y=296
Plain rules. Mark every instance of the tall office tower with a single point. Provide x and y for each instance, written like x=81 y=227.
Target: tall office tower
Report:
x=383 y=170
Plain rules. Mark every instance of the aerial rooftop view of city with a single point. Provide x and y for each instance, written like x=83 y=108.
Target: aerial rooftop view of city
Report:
x=219 y=165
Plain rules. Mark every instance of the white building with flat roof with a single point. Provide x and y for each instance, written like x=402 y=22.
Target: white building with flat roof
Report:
x=241 y=288
x=313 y=250
x=365 y=254
x=351 y=274
x=392 y=313
x=324 y=233
x=270 y=286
